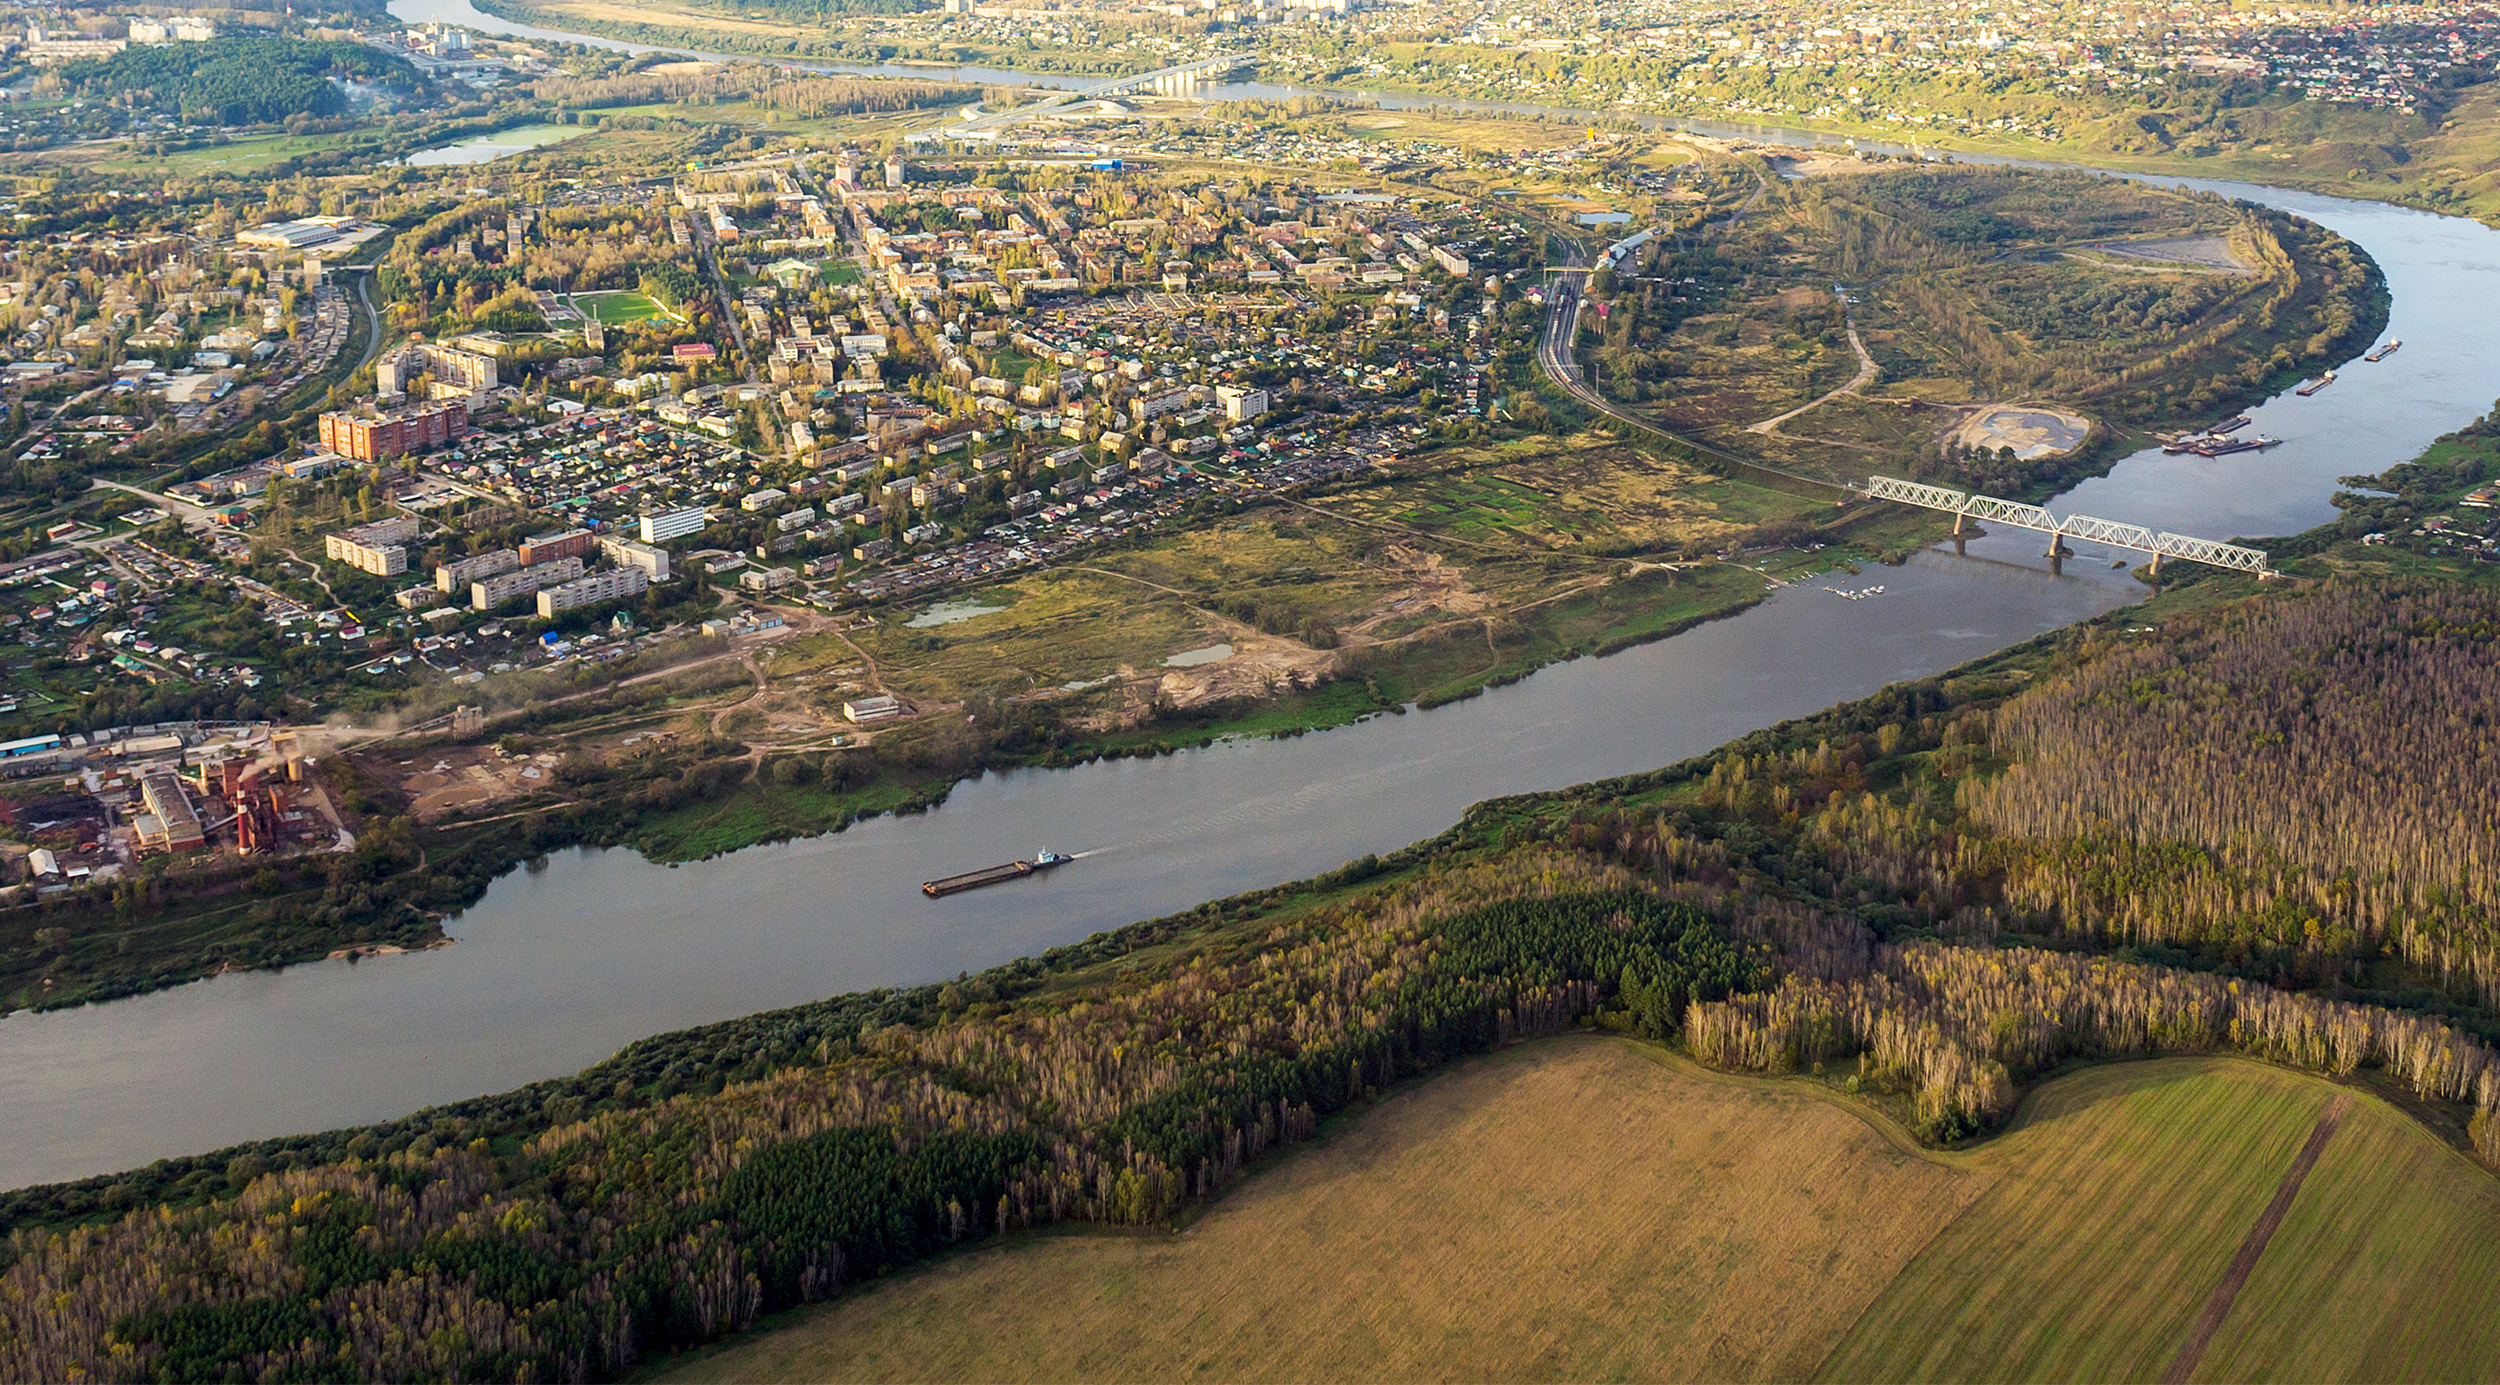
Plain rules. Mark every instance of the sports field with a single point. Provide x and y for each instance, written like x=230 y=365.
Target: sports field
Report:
x=618 y=309
x=1587 y=1209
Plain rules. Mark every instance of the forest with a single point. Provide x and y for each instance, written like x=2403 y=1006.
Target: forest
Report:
x=1866 y=896
x=251 y=80
x=808 y=98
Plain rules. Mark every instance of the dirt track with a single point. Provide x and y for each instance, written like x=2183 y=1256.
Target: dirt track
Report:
x=2235 y=1276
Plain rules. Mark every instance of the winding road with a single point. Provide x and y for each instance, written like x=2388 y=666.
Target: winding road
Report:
x=1770 y=427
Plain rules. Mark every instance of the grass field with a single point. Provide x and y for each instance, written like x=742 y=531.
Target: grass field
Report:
x=1590 y=1209
x=249 y=154
x=1446 y=1234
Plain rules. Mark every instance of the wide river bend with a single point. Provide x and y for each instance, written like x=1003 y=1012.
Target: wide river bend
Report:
x=560 y=965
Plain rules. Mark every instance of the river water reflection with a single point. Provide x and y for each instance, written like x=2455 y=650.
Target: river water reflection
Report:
x=559 y=966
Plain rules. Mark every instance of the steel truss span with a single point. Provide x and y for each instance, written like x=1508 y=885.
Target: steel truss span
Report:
x=1962 y=504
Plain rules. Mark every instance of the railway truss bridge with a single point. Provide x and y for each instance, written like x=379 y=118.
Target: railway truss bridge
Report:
x=1963 y=505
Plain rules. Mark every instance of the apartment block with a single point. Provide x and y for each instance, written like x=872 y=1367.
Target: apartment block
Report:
x=612 y=585
x=459 y=573
x=674 y=524
x=380 y=437
x=495 y=591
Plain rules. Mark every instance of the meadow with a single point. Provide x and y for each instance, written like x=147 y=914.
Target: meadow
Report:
x=1597 y=1209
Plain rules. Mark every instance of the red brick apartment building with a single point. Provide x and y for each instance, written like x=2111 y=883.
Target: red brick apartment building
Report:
x=375 y=438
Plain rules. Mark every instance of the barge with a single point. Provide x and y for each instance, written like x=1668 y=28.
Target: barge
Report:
x=2224 y=447
x=994 y=875
x=2229 y=425
x=2310 y=387
x=2385 y=351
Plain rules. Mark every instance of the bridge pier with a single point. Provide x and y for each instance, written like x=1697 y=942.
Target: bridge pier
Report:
x=1962 y=506
x=1958 y=537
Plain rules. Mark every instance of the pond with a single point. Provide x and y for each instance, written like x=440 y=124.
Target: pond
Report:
x=487 y=148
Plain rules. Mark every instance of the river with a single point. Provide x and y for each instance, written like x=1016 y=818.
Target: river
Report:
x=559 y=966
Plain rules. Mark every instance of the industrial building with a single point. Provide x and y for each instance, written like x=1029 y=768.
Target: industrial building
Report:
x=612 y=585
x=170 y=823
x=495 y=591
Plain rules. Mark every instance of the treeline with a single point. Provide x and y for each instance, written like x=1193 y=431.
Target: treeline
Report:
x=1961 y=1027
x=607 y=1223
x=250 y=80
x=808 y=98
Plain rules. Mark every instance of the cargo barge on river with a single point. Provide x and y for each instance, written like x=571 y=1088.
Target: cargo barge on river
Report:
x=2310 y=387
x=2385 y=351
x=994 y=875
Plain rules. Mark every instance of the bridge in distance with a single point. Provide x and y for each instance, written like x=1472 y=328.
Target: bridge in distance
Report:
x=1161 y=79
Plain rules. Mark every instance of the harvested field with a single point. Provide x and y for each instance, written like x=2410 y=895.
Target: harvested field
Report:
x=1689 y=1228
x=1591 y=1209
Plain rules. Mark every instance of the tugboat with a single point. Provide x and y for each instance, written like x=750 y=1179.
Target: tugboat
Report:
x=2386 y=350
x=993 y=875
x=2310 y=387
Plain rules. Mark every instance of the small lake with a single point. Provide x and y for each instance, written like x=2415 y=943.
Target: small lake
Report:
x=487 y=148
x=1191 y=658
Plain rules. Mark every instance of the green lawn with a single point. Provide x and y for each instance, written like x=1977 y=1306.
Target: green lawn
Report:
x=2122 y=1193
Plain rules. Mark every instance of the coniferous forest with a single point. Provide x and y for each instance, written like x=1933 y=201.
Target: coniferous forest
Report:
x=1938 y=894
